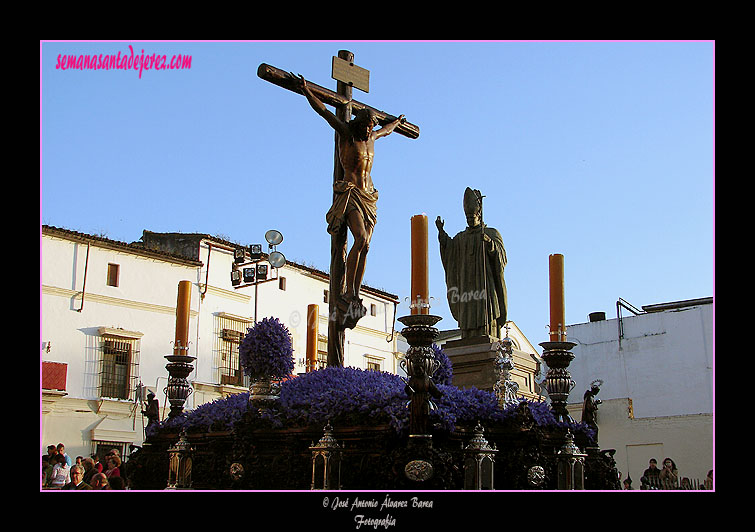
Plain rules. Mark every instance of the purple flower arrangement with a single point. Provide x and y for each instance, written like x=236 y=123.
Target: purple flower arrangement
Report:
x=349 y=396
x=344 y=396
x=266 y=350
x=220 y=414
x=444 y=373
x=464 y=405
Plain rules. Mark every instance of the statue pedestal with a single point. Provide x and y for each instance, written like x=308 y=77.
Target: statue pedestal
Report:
x=473 y=362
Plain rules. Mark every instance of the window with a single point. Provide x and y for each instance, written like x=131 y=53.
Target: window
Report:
x=118 y=367
x=373 y=363
x=113 y=271
x=282 y=283
x=322 y=351
x=373 y=309
x=325 y=296
x=230 y=330
x=101 y=448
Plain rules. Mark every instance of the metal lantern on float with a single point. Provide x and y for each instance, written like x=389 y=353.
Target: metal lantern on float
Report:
x=180 y=462
x=326 y=462
x=571 y=465
x=479 y=461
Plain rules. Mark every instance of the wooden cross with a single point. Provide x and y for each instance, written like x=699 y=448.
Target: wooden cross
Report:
x=347 y=76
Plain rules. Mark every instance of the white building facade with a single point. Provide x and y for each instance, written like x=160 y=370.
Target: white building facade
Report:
x=108 y=316
x=657 y=371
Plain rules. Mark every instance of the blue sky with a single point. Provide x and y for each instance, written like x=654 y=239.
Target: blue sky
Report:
x=601 y=151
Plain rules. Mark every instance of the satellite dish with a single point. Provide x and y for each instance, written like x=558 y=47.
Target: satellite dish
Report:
x=273 y=237
x=276 y=259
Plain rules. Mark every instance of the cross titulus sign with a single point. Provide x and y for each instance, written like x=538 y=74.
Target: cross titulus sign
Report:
x=351 y=74
x=284 y=79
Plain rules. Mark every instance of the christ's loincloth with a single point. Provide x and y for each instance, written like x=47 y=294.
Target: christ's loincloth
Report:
x=348 y=197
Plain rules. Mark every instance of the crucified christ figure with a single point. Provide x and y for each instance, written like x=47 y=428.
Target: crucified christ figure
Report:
x=355 y=197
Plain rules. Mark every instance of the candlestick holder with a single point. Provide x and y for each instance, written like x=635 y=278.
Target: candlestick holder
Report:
x=420 y=305
x=558 y=381
x=420 y=365
x=178 y=388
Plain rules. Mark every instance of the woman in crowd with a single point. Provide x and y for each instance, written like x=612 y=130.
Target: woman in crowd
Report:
x=113 y=463
x=61 y=473
x=669 y=474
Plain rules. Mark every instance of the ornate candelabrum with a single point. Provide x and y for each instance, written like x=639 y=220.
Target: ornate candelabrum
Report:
x=558 y=381
x=178 y=389
x=420 y=365
x=179 y=366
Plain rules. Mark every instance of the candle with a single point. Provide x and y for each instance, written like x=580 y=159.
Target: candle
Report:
x=313 y=317
x=556 y=276
x=420 y=295
x=183 y=305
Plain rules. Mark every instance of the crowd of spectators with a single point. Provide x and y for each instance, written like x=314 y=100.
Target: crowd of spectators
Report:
x=59 y=472
x=667 y=478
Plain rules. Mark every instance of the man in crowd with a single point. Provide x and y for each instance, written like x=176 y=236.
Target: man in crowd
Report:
x=77 y=479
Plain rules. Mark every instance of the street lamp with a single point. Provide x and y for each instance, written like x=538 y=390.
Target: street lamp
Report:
x=273 y=237
x=255 y=251
x=252 y=271
x=235 y=274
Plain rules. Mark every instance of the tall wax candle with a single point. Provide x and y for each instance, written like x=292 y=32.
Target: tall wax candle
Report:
x=313 y=316
x=557 y=314
x=183 y=306
x=420 y=295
